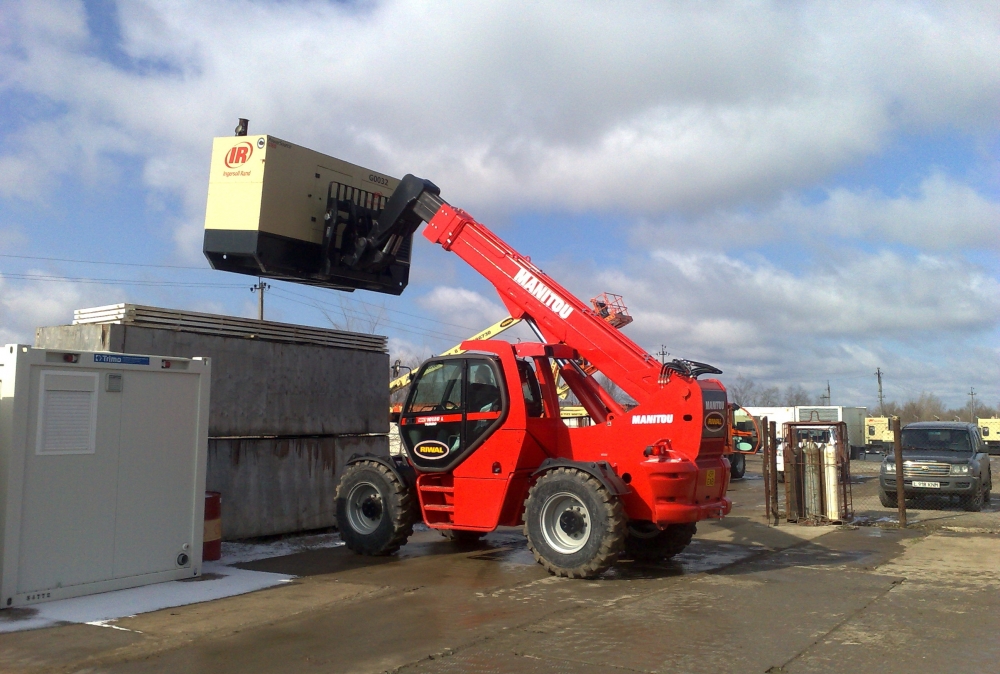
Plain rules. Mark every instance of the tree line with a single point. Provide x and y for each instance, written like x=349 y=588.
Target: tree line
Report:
x=925 y=407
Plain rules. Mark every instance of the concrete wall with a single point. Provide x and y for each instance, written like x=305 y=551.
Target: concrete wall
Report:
x=324 y=403
x=260 y=388
x=281 y=485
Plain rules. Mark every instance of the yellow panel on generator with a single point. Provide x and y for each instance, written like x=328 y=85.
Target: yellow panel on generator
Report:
x=283 y=211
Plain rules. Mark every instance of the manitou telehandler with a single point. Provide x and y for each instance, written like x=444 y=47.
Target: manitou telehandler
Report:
x=484 y=442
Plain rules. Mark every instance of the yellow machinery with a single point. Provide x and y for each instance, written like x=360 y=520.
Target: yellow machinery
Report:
x=878 y=434
x=283 y=211
x=990 y=430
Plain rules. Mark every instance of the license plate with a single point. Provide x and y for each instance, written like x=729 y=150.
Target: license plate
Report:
x=927 y=485
x=710 y=478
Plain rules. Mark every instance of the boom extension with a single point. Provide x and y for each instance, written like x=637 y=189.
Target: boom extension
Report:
x=527 y=291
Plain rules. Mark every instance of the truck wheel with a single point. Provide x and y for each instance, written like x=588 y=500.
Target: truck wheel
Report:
x=737 y=466
x=887 y=498
x=463 y=539
x=974 y=503
x=647 y=543
x=574 y=525
x=375 y=510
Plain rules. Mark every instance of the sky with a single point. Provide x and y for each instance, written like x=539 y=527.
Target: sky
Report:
x=798 y=193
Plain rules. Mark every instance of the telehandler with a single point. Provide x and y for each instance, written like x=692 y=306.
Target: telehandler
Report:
x=484 y=442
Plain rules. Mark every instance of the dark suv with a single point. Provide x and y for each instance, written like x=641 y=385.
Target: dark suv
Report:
x=940 y=458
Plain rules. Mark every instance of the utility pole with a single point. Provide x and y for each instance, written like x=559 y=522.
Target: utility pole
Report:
x=972 y=395
x=827 y=396
x=663 y=353
x=881 y=400
x=260 y=288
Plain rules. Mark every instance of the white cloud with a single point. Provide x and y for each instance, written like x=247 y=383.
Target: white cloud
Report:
x=575 y=106
x=941 y=214
x=462 y=307
x=26 y=305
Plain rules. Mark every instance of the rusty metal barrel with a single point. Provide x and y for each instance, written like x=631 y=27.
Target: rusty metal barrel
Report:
x=212 y=547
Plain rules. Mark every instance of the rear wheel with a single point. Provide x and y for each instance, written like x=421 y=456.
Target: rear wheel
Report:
x=737 y=466
x=887 y=498
x=375 y=510
x=647 y=543
x=575 y=527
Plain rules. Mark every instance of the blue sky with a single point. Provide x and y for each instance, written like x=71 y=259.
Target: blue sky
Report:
x=795 y=192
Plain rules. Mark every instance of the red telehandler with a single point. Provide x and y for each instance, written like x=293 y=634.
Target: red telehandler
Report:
x=485 y=445
x=484 y=442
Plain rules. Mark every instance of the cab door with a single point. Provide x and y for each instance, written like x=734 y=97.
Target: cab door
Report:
x=454 y=405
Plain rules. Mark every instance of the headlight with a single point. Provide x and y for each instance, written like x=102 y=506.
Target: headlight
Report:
x=960 y=470
x=889 y=467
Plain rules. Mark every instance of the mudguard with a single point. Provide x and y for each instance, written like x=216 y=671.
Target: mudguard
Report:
x=397 y=464
x=599 y=469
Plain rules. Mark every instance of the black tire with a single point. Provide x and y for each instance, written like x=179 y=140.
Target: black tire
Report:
x=737 y=466
x=647 y=543
x=575 y=527
x=887 y=498
x=375 y=510
x=464 y=539
x=974 y=503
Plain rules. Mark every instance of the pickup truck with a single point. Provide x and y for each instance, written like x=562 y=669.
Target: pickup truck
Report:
x=940 y=459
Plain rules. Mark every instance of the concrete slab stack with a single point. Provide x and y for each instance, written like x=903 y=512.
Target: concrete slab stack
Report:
x=289 y=405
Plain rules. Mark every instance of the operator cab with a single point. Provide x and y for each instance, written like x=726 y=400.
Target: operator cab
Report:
x=456 y=403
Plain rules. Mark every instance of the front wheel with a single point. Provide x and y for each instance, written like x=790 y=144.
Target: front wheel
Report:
x=575 y=527
x=375 y=510
x=887 y=498
x=647 y=543
x=974 y=503
x=737 y=466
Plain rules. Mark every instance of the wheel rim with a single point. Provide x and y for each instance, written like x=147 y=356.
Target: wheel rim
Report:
x=565 y=523
x=364 y=508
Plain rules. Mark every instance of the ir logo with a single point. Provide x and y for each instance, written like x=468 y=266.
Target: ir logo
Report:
x=238 y=154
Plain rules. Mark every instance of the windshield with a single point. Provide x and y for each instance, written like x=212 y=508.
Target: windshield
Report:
x=939 y=439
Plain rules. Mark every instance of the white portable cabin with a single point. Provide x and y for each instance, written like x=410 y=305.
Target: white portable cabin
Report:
x=102 y=471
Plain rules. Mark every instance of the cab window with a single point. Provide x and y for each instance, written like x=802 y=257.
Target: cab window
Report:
x=439 y=388
x=530 y=389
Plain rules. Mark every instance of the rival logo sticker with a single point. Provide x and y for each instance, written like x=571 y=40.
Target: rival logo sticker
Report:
x=541 y=292
x=238 y=155
x=431 y=449
x=714 y=421
x=653 y=419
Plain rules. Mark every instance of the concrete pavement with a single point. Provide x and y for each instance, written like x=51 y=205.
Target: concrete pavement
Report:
x=744 y=597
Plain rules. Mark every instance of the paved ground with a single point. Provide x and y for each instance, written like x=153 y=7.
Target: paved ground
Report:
x=743 y=598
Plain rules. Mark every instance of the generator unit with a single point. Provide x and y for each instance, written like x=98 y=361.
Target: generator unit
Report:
x=102 y=471
x=282 y=211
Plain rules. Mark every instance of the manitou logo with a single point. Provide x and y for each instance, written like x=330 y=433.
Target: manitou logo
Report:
x=715 y=404
x=238 y=154
x=653 y=419
x=541 y=292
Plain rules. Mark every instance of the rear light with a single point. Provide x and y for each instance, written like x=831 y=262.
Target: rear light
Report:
x=661 y=448
x=165 y=365
x=71 y=357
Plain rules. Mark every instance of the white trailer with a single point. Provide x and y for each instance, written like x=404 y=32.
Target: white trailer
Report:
x=102 y=471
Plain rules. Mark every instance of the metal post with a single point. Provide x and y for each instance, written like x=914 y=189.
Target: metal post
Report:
x=765 y=453
x=897 y=441
x=772 y=439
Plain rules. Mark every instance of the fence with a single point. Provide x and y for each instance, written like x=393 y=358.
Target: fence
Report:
x=810 y=478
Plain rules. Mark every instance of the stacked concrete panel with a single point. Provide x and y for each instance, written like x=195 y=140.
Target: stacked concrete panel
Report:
x=289 y=404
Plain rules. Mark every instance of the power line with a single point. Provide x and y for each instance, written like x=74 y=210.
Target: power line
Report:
x=134 y=282
x=419 y=333
x=116 y=264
